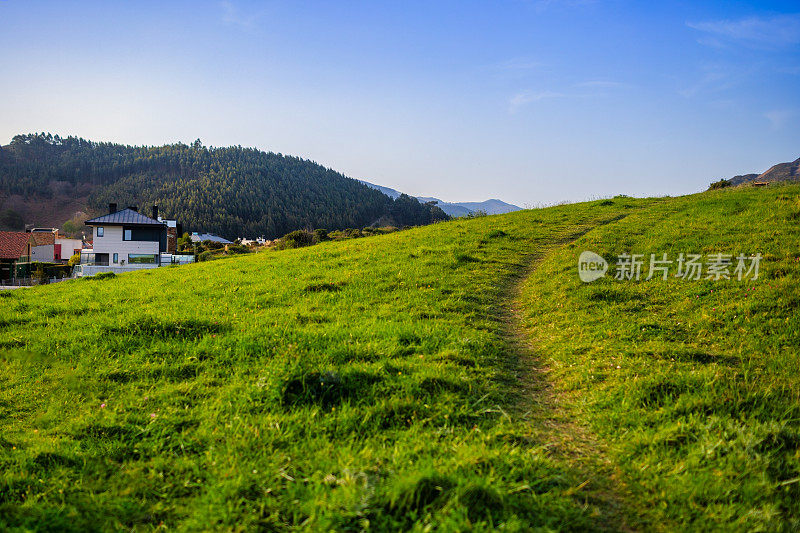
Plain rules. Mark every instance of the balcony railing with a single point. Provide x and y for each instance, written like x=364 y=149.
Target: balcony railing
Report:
x=93 y=259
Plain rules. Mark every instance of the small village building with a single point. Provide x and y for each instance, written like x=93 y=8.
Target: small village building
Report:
x=65 y=248
x=260 y=241
x=44 y=247
x=15 y=254
x=126 y=240
x=173 y=229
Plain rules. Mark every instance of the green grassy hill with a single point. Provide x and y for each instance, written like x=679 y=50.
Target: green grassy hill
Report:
x=454 y=376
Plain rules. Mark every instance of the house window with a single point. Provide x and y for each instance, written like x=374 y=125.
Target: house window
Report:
x=141 y=234
x=141 y=259
x=94 y=259
x=100 y=231
x=116 y=258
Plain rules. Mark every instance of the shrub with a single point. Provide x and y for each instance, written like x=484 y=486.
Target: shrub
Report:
x=40 y=275
x=721 y=184
x=208 y=255
x=348 y=233
x=99 y=277
x=238 y=249
x=299 y=238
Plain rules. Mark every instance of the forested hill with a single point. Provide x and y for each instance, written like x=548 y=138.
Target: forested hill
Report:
x=231 y=191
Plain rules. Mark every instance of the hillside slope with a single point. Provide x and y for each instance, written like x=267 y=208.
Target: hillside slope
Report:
x=693 y=384
x=231 y=191
x=375 y=382
x=348 y=383
x=782 y=172
x=776 y=173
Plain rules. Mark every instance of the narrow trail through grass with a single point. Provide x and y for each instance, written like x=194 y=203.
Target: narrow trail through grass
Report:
x=537 y=403
x=691 y=385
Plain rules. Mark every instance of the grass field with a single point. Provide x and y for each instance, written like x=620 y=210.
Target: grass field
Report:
x=457 y=376
x=693 y=385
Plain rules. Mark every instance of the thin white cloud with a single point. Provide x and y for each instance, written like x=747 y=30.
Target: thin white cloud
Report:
x=779 y=118
x=524 y=98
x=233 y=16
x=761 y=32
x=716 y=79
x=591 y=89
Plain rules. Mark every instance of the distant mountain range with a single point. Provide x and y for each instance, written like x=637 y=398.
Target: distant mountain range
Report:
x=461 y=209
x=779 y=172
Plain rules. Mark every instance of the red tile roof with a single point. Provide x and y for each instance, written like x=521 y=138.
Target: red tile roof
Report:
x=13 y=244
x=41 y=238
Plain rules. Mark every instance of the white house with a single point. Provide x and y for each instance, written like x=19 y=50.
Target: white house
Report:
x=44 y=247
x=260 y=241
x=126 y=240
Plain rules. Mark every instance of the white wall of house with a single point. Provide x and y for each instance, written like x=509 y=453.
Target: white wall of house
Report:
x=44 y=253
x=111 y=243
x=69 y=247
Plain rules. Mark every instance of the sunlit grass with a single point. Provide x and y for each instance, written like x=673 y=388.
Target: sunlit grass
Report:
x=694 y=385
x=345 y=385
x=377 y=383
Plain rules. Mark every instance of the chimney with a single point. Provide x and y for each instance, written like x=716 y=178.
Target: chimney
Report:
x=112 y=208
x=133 y=208
x=155 y=212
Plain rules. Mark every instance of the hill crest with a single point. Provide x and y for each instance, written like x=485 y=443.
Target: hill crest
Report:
x=780 y=172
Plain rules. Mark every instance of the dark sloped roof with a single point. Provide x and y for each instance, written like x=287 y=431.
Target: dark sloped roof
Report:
x=201 y=237
x=13 y=244
x=126 y=216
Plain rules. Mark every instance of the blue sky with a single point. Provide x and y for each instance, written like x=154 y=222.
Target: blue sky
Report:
x=532 y=102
